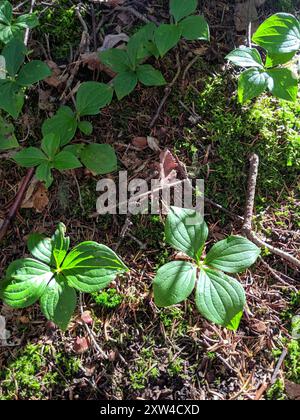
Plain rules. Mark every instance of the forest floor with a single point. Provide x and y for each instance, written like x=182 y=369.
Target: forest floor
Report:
x=151 y=353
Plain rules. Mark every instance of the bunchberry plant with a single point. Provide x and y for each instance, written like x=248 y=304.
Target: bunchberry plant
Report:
x=47 y=158
x=18 y=76
x=7 y=135
x=11 y=28
x=90 y=98
x=155 y=41
x=185 y=24
x=128 y=64
x=54 y=274
x=99 y=158
x=279 y=36
x=219 y=297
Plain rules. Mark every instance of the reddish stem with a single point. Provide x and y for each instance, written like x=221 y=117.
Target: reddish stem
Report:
x=17 y=203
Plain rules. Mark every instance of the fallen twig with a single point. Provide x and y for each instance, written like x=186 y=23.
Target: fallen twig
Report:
x=247 y=226
x=17 y=203
x=168 y=91
x=278 y=366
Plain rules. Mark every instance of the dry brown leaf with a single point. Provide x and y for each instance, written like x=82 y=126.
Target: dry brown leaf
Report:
x=260 y=326
x=140 y=142
x=54 y=80
x=86 y=317
x=81 y=345
x=167 y=164
x=153 y=143
x=44 y=103
x=36 y=197
x=111 y=41
x=292 y=390
x=92 y=61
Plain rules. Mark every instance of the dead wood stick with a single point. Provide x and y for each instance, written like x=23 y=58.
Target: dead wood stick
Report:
x=247 y=226
x=17 y=203
x=168 y=91
x=133 y=11
x=278 y=366
x=252 y=181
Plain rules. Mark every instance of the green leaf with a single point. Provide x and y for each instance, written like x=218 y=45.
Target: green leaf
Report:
x=219 y=298
x=90 y=267
x=30 y=157
x=33 y=72
x=63 y=124
x=60 y=245
x=252 y=83
x=27 y=21
x=66 y=160
x=174 y=283
x=166 y=37
x=85 y=127
x=100 y=159
x=182 y=8
x=195 y=27
x=50 y=145
x=115 y=59
x=245 y=57
x=6 y=12
x=186 y=231
x=235 y=322
x=43 y=173
x=76 y=149
x=58 y=302
x=11 y=98
x=11 y=32
x=40 y=247
x=7 y=136
x=274 y=60
x=149 y=76
x=146 y=42
x=51 y=251
x=280 y=34
x=26 y=280
x=232 y=255
x=91 y=97
x=124 y=83
x=283 y=84
x=14 y=53
x=137 y=45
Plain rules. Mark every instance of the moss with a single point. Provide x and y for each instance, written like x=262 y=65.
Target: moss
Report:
x=176 y=367
x=109 y=299
x=32 y=374
x=61 y=24
x=145 y=369
x=174 y=316
x=231 y=133
x=292 y=370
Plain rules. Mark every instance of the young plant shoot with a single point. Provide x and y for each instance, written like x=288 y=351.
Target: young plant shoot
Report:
x=54 y=274
x=219 y=297
x=98 y=158
x=18 y=76
x=90 y=98
x=11 y=28
x=155 y=41
x=279 y=36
